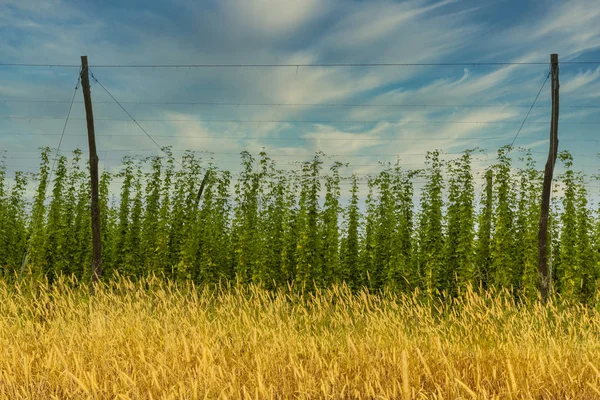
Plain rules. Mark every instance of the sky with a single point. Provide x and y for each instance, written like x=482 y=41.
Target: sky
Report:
x=363 y=115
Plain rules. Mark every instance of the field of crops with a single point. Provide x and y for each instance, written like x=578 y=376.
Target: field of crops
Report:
x=298 y=283
x=155 y=340
x=310 y=226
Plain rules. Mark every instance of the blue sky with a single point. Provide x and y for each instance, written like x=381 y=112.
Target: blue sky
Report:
x=300 y=32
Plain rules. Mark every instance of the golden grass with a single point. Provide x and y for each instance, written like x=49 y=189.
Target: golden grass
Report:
x=152 y=340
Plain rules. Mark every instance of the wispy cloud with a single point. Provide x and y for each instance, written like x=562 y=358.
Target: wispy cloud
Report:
x=300 y=32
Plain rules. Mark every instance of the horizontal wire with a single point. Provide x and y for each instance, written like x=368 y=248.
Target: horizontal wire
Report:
x=297 y=65
x=349 y=105
x=332 y=105
x=251 y=152
x=297 y=168
x=40 y=65
x=326 y=155
x=477 y=173
x=277 y=137
x=298 y=163
x=275 y=65
x=363 y=178
x=269 y=155
x=244 y=121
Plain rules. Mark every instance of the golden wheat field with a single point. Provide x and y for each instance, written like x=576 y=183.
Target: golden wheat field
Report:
x=151 y=340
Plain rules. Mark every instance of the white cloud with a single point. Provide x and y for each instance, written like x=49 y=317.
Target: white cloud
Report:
x=568 y=28
x=584 y=84
x=333 y=141
x=272 y=17
x=367 y=25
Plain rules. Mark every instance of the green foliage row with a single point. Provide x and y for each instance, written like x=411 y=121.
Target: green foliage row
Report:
x=276 y=228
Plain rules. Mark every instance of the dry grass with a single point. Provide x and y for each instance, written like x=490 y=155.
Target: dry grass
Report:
x=158 y=341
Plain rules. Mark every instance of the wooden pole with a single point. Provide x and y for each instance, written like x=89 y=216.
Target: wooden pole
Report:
x=95 y=207
x=545 y=278
x=204 y=180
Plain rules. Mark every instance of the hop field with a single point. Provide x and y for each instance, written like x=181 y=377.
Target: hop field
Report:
x=156 y=340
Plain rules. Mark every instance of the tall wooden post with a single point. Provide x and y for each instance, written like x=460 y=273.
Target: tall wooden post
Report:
x=545 y=278
x=95 y=207
x=204 y=180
